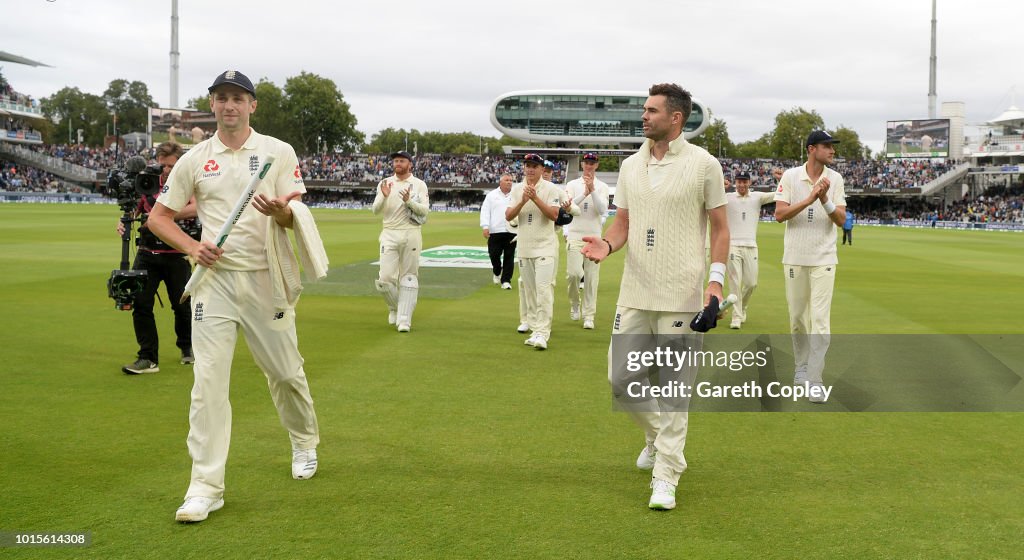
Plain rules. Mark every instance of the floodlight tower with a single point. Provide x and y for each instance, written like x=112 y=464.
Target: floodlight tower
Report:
x=174 y=54
x=931 y=73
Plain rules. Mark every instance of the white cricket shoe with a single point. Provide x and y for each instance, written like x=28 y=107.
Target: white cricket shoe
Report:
x=532 y=341
x=404 y=327
x=496 y=279
x=663 y=495
x=645 y=461
x=303 y=463
x=522 y=328
x=574 y=313
x=735 y=324
x=392 y=317
x=588 y=324
x=816 y=393
x=541 y=343
x=506 y=286
x=197 y=508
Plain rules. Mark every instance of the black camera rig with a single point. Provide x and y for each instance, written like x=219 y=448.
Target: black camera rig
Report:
x=126 y=185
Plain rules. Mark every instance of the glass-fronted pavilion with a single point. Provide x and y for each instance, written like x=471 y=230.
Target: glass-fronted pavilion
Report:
x=581 y=117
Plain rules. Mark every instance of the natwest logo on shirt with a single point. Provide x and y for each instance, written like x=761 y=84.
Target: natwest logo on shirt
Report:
x=211 y=169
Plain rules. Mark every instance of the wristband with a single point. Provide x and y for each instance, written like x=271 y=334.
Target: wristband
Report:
x=829 y=207
x=717 y=273
x=610 y=250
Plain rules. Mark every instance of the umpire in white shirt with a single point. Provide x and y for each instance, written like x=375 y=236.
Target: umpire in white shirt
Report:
x=501 y=243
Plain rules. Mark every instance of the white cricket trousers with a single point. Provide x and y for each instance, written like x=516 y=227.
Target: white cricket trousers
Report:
x=664 y=425
x=538 y=292
x=578 y=267
x=399 y=253
x=225 y=302
x=809 y=294
x=742 y=268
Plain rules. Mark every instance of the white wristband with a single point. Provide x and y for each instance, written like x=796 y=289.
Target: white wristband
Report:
x=829 y=207
x=717 y=273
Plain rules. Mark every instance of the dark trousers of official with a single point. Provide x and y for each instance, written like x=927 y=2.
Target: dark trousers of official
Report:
x=502 y=250
x=173 y=270
x=847 y=235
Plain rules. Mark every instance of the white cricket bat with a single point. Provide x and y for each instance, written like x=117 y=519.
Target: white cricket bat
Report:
x=236 y=213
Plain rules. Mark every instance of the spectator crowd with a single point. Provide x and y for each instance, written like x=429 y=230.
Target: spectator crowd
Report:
x=18 y=178
x=439 y=169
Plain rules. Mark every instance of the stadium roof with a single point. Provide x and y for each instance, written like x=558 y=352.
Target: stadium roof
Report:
x=1013 y=114
x=8 y=57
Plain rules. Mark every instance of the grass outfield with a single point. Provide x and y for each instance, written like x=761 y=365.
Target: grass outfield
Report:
x=458 y=441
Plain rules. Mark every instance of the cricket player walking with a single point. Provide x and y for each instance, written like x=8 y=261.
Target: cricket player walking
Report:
x=403 y=201
x=535 y=204
x=811 y=201
x=590 y=194
x=744 y=211
x=239 y=291
x=666 y=194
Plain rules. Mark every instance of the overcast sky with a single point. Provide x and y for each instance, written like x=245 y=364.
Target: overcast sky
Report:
x=438 y=65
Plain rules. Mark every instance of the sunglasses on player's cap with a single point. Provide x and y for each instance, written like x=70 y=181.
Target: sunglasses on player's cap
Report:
x=549 y=164
x=533 y=158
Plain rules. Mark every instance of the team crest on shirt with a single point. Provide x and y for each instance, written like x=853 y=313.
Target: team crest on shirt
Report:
x=211 y=169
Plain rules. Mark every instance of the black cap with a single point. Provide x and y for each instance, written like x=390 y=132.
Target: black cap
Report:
x=590 y=156
x=533 y=158
x=234 y=78
x=402 y=153
x=743 y=175
x=820 y=137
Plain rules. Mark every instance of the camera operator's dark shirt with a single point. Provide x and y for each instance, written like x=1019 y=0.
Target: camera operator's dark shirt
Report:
x=148 y=241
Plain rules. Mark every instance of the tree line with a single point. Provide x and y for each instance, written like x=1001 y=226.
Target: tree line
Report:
x=310 y=113
x=784 y=141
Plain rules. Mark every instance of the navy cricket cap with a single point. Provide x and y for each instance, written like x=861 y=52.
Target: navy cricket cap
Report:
x=820 y=137
x=743 y=175
x=234 y=78
x=533 y=158
x=590 y=156
x=549 y=164
x=402 y=153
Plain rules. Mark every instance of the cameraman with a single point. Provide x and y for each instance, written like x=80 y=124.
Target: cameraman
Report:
x=163 y=263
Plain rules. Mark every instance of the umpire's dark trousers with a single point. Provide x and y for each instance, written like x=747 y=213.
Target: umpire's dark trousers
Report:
x=502 y=249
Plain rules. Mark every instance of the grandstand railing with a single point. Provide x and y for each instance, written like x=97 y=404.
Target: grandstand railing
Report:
x=9 y=105
x=946 y=179
x=29 y=136
x=52 y=164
